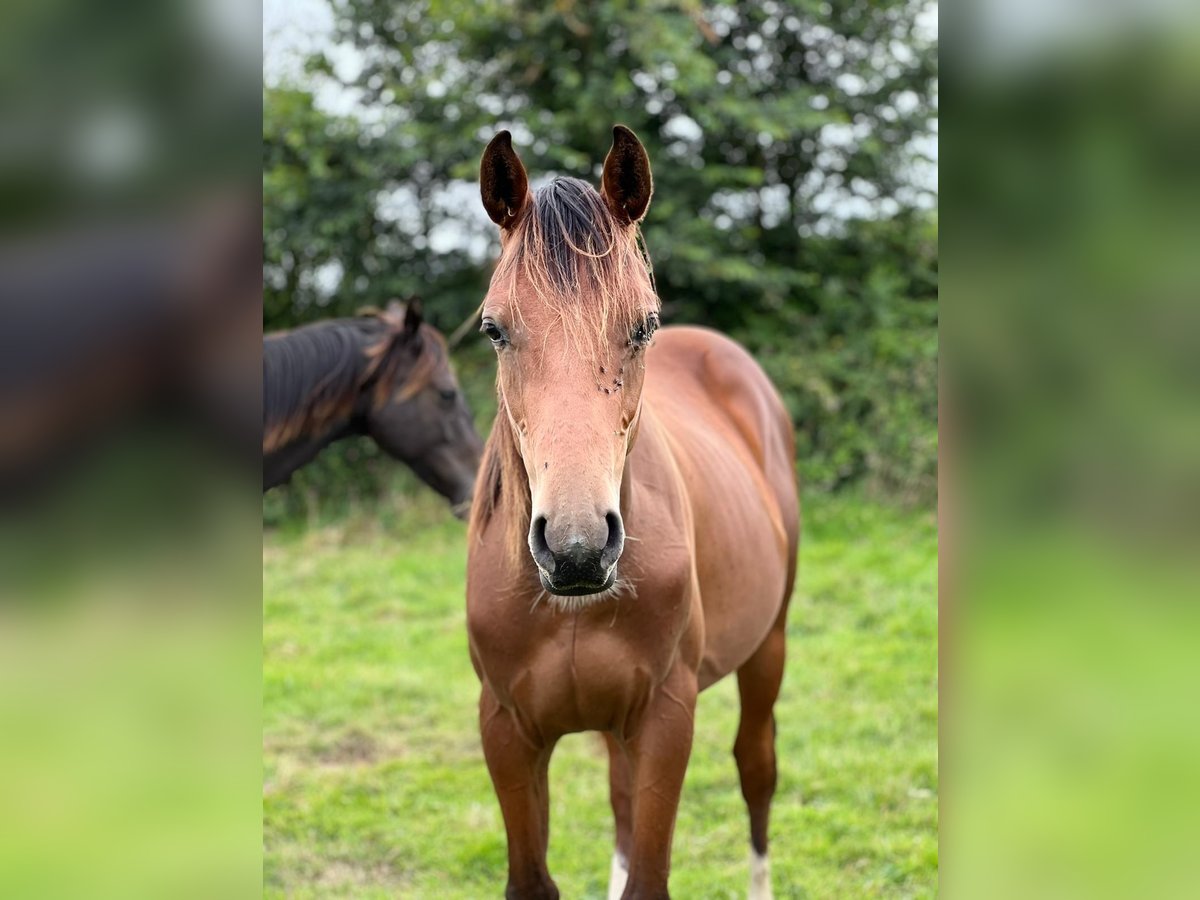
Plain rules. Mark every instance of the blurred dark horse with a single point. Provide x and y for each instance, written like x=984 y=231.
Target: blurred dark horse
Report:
x=109 y=329
x=383 y=374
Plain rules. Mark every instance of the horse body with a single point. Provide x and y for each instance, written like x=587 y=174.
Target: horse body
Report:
x=676 y=460
x=731 y=439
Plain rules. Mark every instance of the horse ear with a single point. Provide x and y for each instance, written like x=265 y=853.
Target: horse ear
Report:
x=626 y=185
x=413 y=315
x=503 y=183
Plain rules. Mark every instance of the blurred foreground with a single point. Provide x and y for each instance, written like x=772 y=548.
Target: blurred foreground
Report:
x=1071 y=472
x=130 y=311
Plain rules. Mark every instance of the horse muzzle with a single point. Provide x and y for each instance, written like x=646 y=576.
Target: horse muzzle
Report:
x=577 y=567
x=578 y=581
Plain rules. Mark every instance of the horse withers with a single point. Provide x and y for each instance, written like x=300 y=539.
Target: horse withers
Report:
x=634 y=534
x=383 y=374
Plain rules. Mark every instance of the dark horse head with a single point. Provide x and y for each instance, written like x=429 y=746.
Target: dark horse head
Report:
x=382 y=374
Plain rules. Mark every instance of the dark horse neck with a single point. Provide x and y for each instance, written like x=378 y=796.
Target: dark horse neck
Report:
x=280 y=464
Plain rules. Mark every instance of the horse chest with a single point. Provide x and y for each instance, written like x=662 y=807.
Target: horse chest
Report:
x=583 y=679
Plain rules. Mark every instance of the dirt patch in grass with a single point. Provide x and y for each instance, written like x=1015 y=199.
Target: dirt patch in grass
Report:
x=353 y=747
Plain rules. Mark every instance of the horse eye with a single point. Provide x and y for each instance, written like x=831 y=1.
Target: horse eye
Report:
x=449 y=396
x=494 y=332
x=644 y=330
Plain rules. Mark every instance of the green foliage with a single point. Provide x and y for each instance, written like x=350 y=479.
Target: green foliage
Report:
x=375 y=784
x=859 y=372
x=784 y=210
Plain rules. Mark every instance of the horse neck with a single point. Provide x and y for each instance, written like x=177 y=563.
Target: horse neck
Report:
x=317 y=429
x=351 y=423
x=280 y=463
x=503 y=487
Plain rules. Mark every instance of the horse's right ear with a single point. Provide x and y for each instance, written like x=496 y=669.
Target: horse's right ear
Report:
x=503 y=183
x=414 y=312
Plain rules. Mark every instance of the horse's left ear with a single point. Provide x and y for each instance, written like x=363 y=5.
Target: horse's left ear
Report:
x=503 y=184
x=626 y=185
x=413 y=315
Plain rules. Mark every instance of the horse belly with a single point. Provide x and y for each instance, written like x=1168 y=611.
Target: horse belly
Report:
x=742 y=588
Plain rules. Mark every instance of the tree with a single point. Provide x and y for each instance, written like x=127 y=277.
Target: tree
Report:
x=785 y=213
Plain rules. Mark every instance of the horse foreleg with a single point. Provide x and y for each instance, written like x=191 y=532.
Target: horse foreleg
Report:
x=758 y=687
x=620 y=784
x=519 y=775
x=659 y=753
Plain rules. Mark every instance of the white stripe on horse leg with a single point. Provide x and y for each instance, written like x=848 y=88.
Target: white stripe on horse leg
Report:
x=617 y=876
x=760 y=877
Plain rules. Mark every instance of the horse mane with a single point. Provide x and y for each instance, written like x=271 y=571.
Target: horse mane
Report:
x=592 y=272
x=502 y=480
x=313 y=375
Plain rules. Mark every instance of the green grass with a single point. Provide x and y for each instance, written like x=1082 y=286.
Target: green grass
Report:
x=374 y=782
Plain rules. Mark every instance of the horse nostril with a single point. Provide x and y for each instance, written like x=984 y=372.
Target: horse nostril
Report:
x=538 y=546
x=616 y=539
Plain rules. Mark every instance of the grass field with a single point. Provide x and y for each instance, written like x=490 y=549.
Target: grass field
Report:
x=374 y=782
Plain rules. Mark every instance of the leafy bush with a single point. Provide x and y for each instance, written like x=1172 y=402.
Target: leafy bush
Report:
x=785 y=214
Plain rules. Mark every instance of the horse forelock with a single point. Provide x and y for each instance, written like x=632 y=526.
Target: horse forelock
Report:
x=589 y=270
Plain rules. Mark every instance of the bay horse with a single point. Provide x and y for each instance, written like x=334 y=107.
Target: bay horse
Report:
x=635 y=529
x=383 y=374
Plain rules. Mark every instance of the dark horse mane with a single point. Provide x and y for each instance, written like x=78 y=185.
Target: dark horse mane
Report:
x=313 y=375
